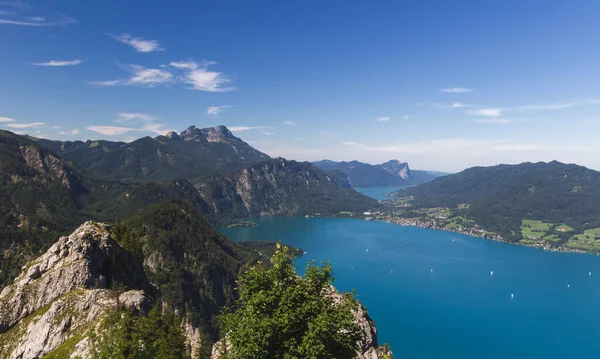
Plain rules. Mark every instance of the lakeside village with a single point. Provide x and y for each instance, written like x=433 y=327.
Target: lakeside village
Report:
x=400 y=212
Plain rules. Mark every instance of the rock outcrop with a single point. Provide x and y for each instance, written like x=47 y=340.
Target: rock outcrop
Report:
x=64 y=293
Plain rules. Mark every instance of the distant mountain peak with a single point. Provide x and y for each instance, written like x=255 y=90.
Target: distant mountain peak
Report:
x=397 y=168
x=210 y=134
x=172 y=135
x=217 y=133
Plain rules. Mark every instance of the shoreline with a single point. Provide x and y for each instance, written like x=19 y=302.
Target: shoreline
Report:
x=472 y=232
x=475 y=232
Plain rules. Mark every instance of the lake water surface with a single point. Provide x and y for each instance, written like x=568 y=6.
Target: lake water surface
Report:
x=432 y=295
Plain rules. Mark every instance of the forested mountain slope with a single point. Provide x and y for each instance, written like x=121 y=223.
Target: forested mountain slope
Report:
x=192 y=153
x=500 y=197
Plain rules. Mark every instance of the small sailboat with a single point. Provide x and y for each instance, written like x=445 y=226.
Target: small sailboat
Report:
x=491 y=273
x=512 y=296
x=431 y=270
x=367 y=250
x=568 y=286
x=590 y=274
x=392 y=272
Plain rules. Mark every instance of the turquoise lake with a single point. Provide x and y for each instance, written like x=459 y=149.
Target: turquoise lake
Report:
x=378 y=192
x=432 y=295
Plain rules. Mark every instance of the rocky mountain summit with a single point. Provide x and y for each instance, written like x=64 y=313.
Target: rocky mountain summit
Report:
x=53 y=305
x=65 y=292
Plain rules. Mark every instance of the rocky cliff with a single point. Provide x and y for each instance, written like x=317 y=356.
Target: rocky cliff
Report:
x=280 y=187
x=65 y=292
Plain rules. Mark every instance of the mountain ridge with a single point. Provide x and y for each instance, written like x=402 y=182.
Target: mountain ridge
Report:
x=390 y=173
x=194 y=152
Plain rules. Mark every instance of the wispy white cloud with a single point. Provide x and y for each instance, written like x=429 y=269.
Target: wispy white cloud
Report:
x=456 y=90
x=157 y=128
x=21 y=14
x=200 y=78
x=549 y=107
x=140 y=76
x=125 y=117
x=26 y=125
x=72 y=132
x=383 y=119
x=447 y=146
x=184 y=65
x=58 y=63
x=501 y=121
x=290 y=123
x=517 y=147
x=110 y=130
x=405 y=117
x=268 y=133
x=248 y=128
x=138 y=43
x=7 y=119
x=489 y=112
x=190 y=73
x=457 y=105
x=216 y=110
x=146 y=124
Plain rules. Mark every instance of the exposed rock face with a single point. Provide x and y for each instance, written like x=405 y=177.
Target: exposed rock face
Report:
x=278 y=187
x=217 y=134
x=67 y=317
x=210 y=134
x=369 y=345
x=63 y=292
x=45 y=162
x=397 y=168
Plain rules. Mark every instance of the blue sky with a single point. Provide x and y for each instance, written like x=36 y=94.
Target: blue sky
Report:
x=444 y=85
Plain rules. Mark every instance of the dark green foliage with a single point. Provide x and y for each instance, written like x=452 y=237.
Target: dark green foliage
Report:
x=501 y=196
x=192 y=264
x=124 y=335
x=280 y=315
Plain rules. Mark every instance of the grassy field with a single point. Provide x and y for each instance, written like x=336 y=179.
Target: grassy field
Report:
x=459 y=221
x=586 y=241
x=531 y=228
x=551 y=237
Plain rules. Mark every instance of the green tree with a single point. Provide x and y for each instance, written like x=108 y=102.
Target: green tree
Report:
x=124 y=335
x=280 y=315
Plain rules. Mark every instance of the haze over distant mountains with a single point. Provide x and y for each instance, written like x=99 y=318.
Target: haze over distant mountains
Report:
x=390 y=173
